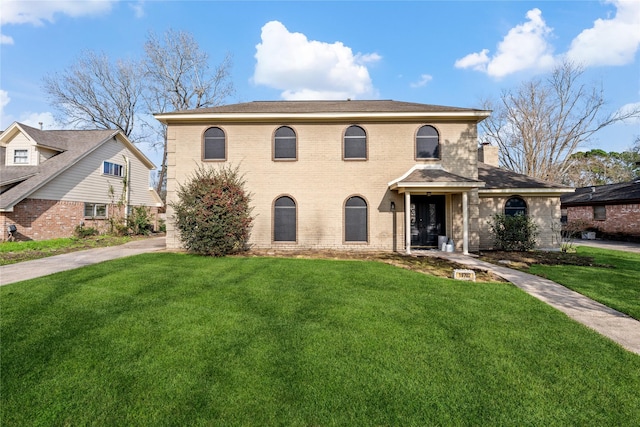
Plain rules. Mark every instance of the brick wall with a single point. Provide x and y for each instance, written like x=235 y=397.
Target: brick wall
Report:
x=37 y=219
x=620 y=219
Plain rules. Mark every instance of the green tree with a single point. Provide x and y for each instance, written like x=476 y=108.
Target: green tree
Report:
x=598 y=167
x=212 y=212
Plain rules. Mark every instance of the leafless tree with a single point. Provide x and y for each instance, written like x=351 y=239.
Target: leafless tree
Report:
x=178 y=77
x=95 y=93
x=543 y=122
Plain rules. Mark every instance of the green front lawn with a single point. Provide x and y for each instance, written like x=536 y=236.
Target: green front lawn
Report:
x=617 y=287
x=174 y=339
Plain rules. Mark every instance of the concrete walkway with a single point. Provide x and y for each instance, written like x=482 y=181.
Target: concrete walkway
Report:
x=42 y=267
x=617 y=326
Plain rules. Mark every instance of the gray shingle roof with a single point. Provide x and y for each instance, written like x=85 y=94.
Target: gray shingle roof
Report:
x=621 y=193
x=436 y=176
x=498 y=178
x=74 y=144
x=353 y=106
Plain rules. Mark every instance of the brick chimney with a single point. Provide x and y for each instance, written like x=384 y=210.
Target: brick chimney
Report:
x=488 y=154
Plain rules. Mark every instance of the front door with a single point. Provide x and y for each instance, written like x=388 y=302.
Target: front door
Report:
x=427 y=220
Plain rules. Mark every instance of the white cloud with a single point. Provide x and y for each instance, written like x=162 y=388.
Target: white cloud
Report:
x=28 y=118
x=424 y=79
x=524 y=47
x=6 y=39
x=309 y=69
x=138 y=9
x=610 y=41
x=37 y=12
x=634 y=108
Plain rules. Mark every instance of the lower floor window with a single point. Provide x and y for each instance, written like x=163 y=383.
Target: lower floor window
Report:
x=95 y=210
x=284 y=222
x=600 y=213
x=355 y=220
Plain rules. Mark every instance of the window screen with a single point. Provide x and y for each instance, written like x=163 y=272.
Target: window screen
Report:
x=284 y=221
x=600 y=213
x=355 y=143
x=355 y=220
x=515 y=206
x=285 y=144
x=427 y=143
x=214 y=144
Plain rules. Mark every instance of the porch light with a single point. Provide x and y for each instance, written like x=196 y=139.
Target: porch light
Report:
x=393 y=206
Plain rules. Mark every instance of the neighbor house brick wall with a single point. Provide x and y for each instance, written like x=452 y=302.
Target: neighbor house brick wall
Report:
x=38 y=219
x=620 y=219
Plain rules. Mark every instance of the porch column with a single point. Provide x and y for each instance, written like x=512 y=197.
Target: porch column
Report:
x=465 y=222
x=407 y=222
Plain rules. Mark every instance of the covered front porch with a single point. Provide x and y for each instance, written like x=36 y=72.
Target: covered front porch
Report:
x=435 y=202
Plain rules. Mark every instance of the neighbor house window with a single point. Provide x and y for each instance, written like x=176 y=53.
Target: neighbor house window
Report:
x=515 y=206
x=355 y=143
x=427 y=143
x=214 y=144
x=600 y=213
x=95 y=210
x=355 y=220
x=284 y=144
x=284 y=220
x=112 y=169
x=20 y=157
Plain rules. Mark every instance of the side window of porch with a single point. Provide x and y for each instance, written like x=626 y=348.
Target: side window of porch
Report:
x=427 y=143
x=355 y=220
x=515 y=206
x=284 y=220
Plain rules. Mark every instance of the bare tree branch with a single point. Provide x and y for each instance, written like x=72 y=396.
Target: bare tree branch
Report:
x=543 y=122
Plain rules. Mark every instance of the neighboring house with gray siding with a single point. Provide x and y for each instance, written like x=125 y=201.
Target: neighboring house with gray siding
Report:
x=357 y=175
x=54 y=180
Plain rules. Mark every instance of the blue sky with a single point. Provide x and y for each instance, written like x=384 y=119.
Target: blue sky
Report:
x=435 y=52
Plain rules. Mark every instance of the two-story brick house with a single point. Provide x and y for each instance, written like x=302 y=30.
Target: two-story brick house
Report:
x=357 y=175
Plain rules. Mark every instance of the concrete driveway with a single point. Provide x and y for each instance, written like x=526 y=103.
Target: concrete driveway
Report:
x=43 y=267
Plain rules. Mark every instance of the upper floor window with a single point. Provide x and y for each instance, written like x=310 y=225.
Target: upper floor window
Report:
x=21 y=157
x=214 y=144
x=355 y=220
x=515 y=206
x=284 y=144
x=112 y=169
x=427 y=143
x=284 y=220
x=355 y=143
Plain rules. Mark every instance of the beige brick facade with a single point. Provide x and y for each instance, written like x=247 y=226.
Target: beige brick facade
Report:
x=320 y=180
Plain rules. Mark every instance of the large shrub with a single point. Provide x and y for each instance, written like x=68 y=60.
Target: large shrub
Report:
x=212 y=212
x=513 y=232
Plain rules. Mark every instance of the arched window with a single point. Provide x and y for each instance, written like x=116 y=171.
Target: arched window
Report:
x=284 y=144
x=214 y=144
x=427 y=143
x=284 y=220
x=515 y=206
x=355 y=143
x=355 y=220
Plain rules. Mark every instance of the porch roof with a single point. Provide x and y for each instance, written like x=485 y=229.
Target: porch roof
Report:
x=433 y=178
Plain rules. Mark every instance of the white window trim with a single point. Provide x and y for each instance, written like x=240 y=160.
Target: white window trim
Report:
x=122 y=171
x=26 y=157
x=95 y=210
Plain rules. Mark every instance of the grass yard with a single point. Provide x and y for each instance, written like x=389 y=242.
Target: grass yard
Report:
x=617 y=287
x=175 y=339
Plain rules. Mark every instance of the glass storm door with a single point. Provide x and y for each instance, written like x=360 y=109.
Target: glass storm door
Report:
x=427 y=220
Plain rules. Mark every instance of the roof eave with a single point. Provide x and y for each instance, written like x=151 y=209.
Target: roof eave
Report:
x=477 y=115
x=539 y=191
